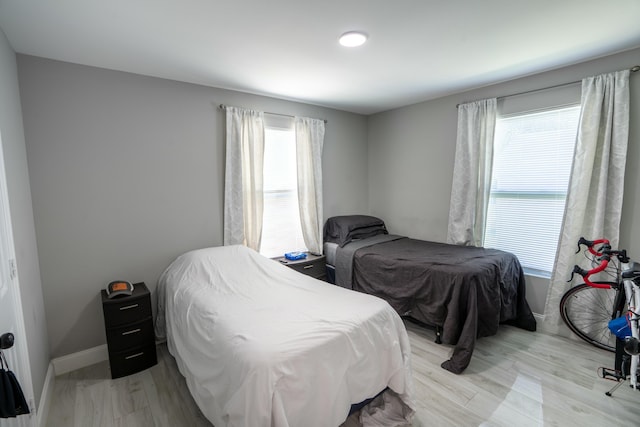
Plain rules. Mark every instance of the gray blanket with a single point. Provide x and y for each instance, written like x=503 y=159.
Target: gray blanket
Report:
x=467 y=291
x=344 y=257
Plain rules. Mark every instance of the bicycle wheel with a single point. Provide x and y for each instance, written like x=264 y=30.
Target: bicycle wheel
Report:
x=587 y=312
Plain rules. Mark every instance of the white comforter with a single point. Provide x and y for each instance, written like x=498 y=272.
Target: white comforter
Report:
x=263 y=345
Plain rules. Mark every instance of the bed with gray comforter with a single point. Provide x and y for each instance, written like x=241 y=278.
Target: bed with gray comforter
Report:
x=466 y=291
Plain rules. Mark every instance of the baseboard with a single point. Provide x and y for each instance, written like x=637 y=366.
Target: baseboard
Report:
x=81 y=359
x=539 y=317
x=62 y=365
x=45 y=397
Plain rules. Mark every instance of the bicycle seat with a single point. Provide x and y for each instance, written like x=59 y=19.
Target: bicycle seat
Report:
x=632 y=272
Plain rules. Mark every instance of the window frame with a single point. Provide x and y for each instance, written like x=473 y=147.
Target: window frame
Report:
x=281 y=123
x=568 y=97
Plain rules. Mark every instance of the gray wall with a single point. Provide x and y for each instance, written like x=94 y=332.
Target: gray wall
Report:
x=15 y=157
x=127 y=172
x=412 y=149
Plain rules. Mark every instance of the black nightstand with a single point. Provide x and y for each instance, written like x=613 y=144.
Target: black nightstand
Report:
x=312 y=265
x=129 y=326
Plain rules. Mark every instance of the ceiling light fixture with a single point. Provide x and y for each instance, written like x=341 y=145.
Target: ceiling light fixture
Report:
x=353 y=39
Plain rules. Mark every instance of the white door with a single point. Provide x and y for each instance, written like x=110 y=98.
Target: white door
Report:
x=11 y=319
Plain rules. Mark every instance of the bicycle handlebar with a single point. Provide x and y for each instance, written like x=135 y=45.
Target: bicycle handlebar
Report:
x=604 y=253
x=586 y=273
x=591 y=243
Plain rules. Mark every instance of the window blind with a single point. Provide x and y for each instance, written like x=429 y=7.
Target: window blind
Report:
x=531 y=168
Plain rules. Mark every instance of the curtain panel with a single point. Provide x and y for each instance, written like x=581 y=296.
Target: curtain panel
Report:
x=472 y=172
x=243 y=191
x=309 y=143
x=594 y=199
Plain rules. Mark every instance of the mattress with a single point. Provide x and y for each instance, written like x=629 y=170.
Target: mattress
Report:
x=330 y=250
x=260 y=344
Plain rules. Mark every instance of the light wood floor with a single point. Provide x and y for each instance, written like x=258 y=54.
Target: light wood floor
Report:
x=515 y=378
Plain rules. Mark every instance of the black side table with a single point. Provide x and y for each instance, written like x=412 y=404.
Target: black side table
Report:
x=312 y=265
x=129 y=327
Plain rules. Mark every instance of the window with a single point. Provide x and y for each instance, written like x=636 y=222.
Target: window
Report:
x=533 y=153
x=281 y=229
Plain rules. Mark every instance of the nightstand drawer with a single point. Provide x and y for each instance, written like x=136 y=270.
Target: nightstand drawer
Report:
x=130 y=335
x=128 y=310
x=313 y=265
x=313 y=268
x=134 y=360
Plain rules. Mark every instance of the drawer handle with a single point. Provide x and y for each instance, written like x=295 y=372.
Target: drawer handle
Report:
x=306 y=267
x=133 y=331
x=127 y=307
x=134 y=355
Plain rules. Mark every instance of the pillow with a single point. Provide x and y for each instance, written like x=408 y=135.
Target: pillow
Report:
x=344 y=229
x=363 y=233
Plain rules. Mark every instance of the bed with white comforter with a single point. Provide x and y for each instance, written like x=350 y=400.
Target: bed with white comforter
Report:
x=263 y=345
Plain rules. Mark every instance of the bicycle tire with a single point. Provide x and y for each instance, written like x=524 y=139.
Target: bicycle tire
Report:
x=587 y=312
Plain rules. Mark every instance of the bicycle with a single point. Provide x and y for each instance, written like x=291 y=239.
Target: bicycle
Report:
x=594 y=309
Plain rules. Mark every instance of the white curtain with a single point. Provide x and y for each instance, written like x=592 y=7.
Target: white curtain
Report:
x=243 y=195
x=472 y=172
x=594 y=199
x=309 y=142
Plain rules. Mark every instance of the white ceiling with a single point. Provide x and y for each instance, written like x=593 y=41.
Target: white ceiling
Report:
x=417 y=49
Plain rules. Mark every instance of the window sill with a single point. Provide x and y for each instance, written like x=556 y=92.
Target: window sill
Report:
x=536 y=273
